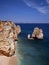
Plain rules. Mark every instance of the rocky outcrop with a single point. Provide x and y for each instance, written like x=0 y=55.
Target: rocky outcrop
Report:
x=29 y=37
x=8 y=37
x=37 y=34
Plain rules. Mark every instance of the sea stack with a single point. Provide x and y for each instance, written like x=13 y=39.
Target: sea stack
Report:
x=37 y=34
x=8 y=37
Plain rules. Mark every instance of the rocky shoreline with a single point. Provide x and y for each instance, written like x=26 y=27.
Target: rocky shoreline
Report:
x=8 y=39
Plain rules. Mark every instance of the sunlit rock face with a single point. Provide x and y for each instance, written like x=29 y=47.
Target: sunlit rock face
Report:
x=8 y=37
x=18 y=29
x=28 y=36
x=37 y=33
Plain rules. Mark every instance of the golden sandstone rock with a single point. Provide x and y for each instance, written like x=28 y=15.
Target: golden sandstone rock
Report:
x=37 y=34
x=8 y=36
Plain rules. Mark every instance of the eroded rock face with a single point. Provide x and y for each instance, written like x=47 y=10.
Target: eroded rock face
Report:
x=8 y=36
x=37 y=33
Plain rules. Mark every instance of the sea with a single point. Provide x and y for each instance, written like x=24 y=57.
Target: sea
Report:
x=33 y=52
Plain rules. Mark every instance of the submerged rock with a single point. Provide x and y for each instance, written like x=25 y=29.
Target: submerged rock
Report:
x=8 y=36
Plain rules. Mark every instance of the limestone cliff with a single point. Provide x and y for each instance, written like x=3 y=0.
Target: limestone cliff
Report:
x=8 y=37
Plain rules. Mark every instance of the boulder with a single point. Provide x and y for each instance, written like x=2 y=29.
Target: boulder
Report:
x=8 y=36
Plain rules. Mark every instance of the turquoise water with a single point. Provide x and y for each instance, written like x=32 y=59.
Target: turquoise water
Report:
x=33 y=52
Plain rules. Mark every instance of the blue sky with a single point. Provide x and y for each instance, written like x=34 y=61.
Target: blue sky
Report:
x=25 y=11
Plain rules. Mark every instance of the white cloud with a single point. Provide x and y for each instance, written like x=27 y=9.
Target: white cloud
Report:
x=39 y=7
x=43 y=10
x=47 y=1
